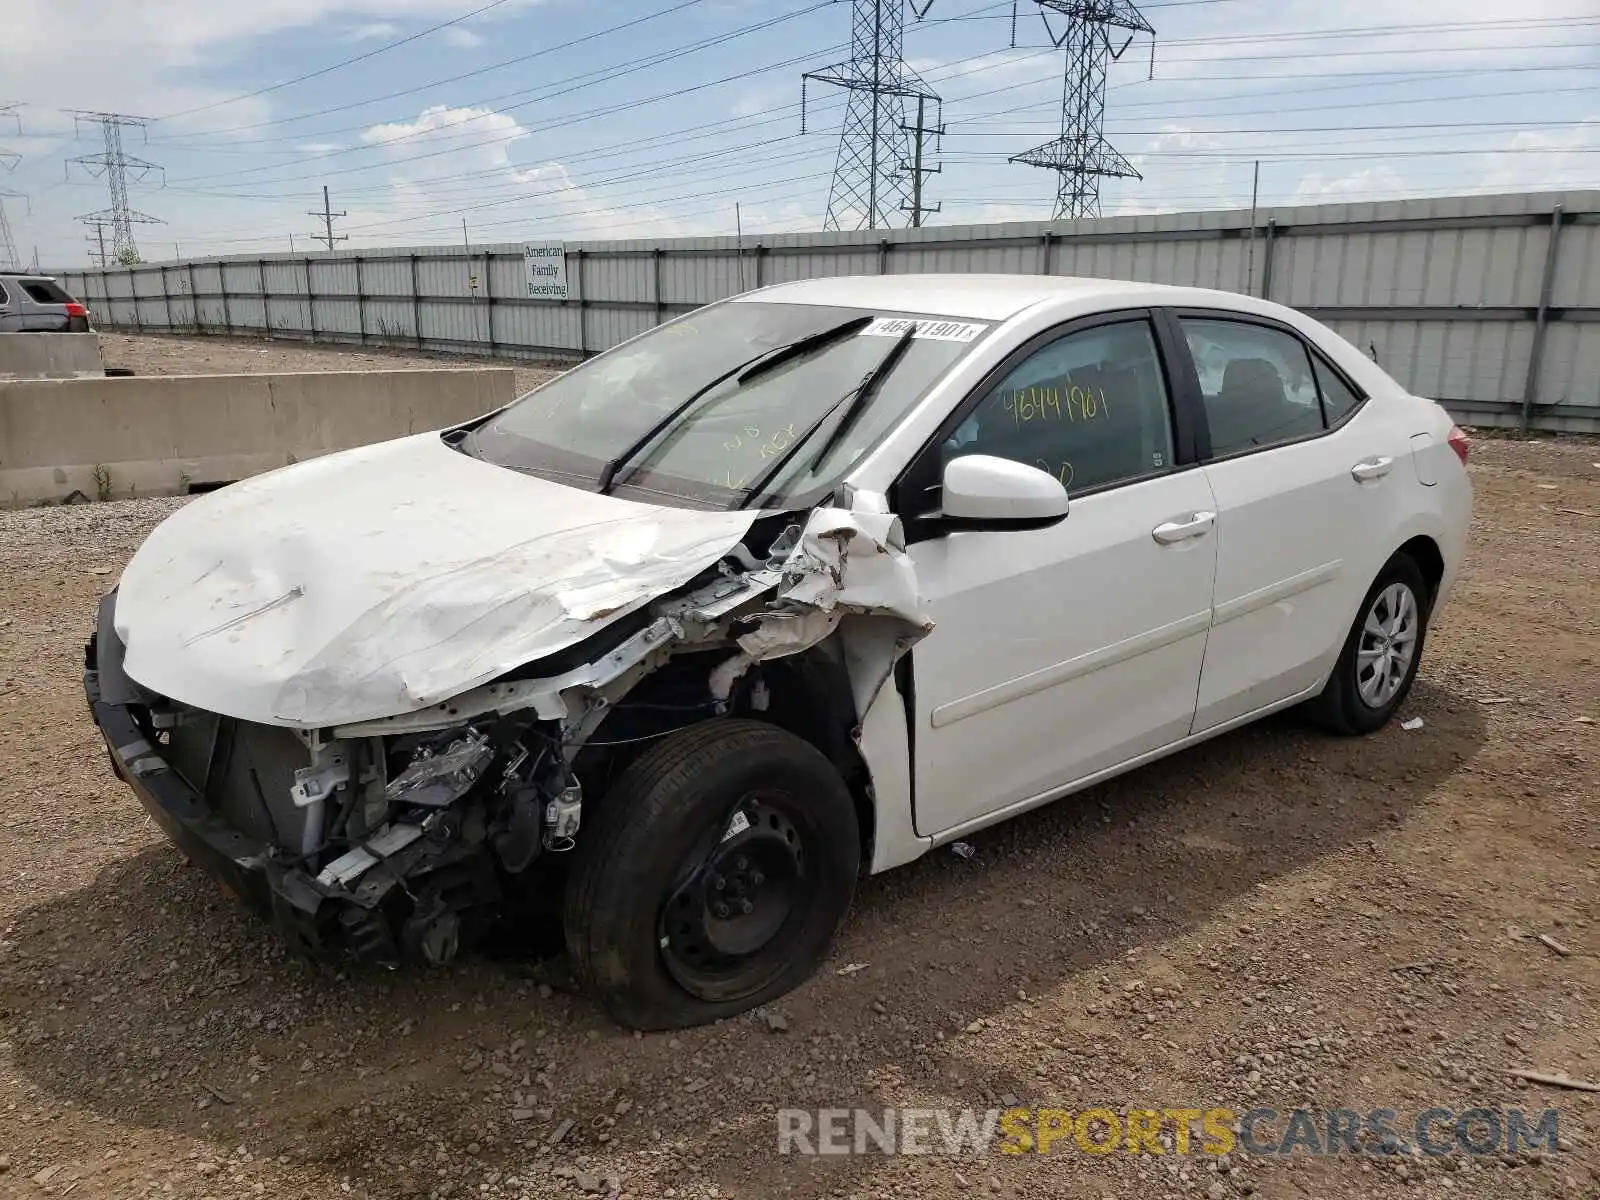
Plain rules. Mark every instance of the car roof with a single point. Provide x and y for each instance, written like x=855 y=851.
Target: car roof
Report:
x=987 y=297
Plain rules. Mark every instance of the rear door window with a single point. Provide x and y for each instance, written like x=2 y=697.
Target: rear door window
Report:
x=44 y=291
x=1256 y=384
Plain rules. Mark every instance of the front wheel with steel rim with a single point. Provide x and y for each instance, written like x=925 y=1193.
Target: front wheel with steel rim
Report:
x=712 y=875
x=1381 y=653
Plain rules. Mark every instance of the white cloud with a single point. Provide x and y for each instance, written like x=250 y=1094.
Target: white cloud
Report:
x=1363 y=183
x=436 y=126
x=461 y=38
x=1523 y=162
x=374 y=31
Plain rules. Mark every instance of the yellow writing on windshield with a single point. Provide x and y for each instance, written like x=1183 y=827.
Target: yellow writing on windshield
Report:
x=749 y=433
x=766 y=446
x=1071 y=403
x=779 y=442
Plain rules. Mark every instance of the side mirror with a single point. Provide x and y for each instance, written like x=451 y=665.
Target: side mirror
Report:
x=984 y=492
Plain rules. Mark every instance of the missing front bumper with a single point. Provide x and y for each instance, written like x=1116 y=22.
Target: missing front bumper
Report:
x=316 y=921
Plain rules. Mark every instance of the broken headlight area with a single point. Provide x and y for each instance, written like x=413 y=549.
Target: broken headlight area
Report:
x=390 y=848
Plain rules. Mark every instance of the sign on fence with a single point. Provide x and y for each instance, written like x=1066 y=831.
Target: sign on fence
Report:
x=544 y=265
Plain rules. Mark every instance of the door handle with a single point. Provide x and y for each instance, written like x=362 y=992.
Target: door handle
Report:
x=1371 y=468
x=1198 y=525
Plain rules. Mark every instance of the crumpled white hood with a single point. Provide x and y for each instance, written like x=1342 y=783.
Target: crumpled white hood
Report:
x=382 y=580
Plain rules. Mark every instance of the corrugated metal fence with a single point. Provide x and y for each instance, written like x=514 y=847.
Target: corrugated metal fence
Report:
x=1488 y=303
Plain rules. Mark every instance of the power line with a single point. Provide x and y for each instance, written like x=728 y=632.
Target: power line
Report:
x=777 y=114
x=646 y=170
x=522 y=130
x=560 y=123
x=384 y=49
x=547 y=90
x=423 y=87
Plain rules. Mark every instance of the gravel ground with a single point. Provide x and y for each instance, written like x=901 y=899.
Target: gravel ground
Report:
x=1274 y=918
x=159 y=355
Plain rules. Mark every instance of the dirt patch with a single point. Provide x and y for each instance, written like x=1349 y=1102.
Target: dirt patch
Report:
x=1272 y=919
x=160 y=355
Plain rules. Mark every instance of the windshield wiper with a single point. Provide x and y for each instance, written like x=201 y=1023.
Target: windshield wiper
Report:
x=776 y=358
x=746 y=370
x=848 y=407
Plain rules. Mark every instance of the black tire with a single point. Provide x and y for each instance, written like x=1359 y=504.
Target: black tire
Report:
x=658 y=838
x=1340 y=708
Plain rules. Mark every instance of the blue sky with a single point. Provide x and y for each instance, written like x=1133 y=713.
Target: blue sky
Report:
x=659 y=128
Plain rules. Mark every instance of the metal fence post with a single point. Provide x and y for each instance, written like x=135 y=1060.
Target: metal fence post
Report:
x=266 y=298
x=166 y=301
x=311 y=302
x=194 y=300
x=1541 y=321
x=583 y=308
x=761 y=255
x=133 y=290
x=1046 y=242
x=1266 y=259
x=658 y=254
x=883 y=257
x=222 y=286
x=488 y=301
x=361 y=304
x=416 y=304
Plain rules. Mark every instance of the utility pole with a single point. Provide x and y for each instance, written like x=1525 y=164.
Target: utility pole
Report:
x=1081 y=156
x=919 y=134
x=97 y=241
x=327 y=214
x=115 y=165
x=870 y=180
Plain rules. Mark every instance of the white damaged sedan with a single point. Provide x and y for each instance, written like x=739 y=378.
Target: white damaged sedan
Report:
x=666 y=654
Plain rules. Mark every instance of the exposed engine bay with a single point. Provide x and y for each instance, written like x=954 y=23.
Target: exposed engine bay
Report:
x=407 y=837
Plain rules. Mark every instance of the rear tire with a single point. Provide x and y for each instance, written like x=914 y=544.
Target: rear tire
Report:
x=712 y=876
x=1381 y=654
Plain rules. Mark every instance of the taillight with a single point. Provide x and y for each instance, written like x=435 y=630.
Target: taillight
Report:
x=1458 y=443
x=74 y=309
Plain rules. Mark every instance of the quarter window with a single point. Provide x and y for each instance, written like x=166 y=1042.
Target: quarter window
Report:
x=1256 y=383
x=1338 y=401
x=1090 y=408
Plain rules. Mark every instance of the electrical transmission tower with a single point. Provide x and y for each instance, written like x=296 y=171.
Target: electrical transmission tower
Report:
x=879 y=170
x=327 y=214
x=1081 y=155
x=10 y=256
x=115 y=165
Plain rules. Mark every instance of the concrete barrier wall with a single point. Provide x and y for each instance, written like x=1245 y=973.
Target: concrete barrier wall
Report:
x=50 y=356
x=162 y=434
